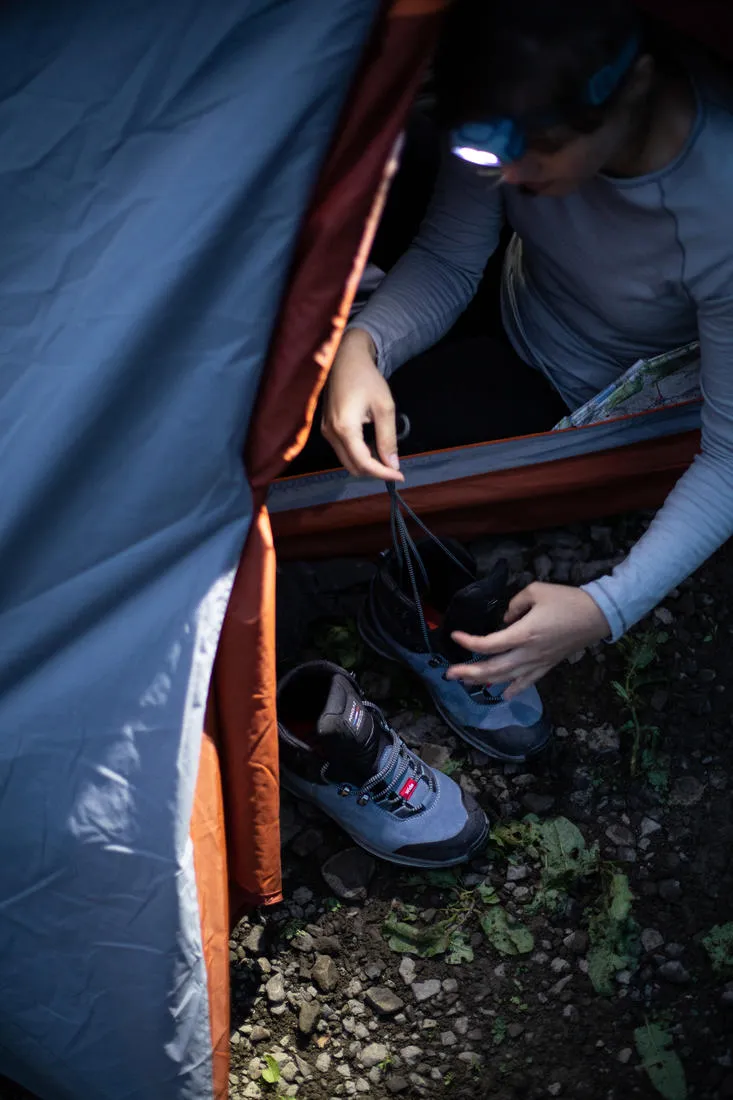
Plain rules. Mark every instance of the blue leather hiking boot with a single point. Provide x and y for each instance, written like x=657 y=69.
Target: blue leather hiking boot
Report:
x=338 y=752
x=420 y=594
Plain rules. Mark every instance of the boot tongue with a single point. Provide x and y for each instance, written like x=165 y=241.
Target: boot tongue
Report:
x=476 y=609
x=347 y=734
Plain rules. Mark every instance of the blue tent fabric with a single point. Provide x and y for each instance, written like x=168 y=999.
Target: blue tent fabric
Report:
x=156 y=161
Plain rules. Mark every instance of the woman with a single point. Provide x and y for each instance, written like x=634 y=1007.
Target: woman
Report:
x=617 y=180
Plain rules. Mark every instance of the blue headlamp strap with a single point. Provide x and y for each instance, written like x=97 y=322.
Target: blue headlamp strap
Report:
x=604 y=83
x=501 y=141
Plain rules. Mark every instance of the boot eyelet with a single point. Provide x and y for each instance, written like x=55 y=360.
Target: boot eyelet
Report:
x=344 y=790
x=435 y=662
x=362 y=800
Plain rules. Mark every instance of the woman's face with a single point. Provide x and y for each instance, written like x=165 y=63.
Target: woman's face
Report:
x=559 y=161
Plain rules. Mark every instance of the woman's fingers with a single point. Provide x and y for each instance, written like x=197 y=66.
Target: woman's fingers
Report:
x=495 y=671
x=349 y=444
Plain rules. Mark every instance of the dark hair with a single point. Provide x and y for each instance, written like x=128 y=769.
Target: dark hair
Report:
x=514 y=58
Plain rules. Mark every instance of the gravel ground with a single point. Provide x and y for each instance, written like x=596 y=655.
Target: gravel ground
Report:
x=572 y=959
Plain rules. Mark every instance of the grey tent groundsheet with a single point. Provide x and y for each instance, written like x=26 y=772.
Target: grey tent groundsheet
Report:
x=157 y=160
x=439 y=467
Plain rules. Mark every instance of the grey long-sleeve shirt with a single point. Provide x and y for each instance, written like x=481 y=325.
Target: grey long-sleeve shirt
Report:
x=619 y=270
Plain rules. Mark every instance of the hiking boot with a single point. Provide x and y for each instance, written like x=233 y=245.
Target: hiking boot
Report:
x=338 y=752
x=422 y=593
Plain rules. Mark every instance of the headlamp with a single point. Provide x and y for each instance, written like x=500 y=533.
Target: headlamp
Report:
x=494 y=143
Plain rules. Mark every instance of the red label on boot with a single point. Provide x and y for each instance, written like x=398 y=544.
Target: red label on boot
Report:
x=408 y=789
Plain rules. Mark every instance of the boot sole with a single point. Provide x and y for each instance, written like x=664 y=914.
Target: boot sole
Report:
x=390 y=857
x=377 y=643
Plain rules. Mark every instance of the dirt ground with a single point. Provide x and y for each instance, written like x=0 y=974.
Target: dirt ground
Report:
x=574 y=957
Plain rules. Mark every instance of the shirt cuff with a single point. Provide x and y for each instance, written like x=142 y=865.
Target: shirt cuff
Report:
x=609 y=607
x=383 y=359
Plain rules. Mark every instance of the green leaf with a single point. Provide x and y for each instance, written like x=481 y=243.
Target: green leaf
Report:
x=411 y=939
x=643 y=656
x=498 y=1031
x=664 y=1068
x=487 y=894
x=451 y=766
x=620 y=898
x=460 y=950
x=271 y=1073
x=621 y=691
x=613 y=935
x=506 y=934
x=719 y=945
x=445 y=879
x=566 y=857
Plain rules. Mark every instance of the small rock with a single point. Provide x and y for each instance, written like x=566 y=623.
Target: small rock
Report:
x=448 y=1039
x=538 y=803
x=410 y=1054
x=259 y=1034
x=517 y=874
x=651 y=940
x=407 y=970
x=302 y=896
x=303 y=942
x=624 y=1056
x=626 y=855
x=674 y=972
x=323 y=1062
x=275 y=989
x=396 y=1084
x=308 y=1017
x=288 y=1072
x=254 y=940
x=308 y=842
x=664 y=616
x=686 y=791
x=577 y=942
x=620 y=836
x=670 y=890
x=450 y=985
x=559 y=986
x=559 y=966
x=435 y=756
x=554 y=1089
x=727 y=995
x=325 y=974
x=603 y=740
x=515 y=1030
x=384 y=1000
x=649 y=826
x=373 y=1055
x=470 y=1057
x=424 y=991
x=349 y=873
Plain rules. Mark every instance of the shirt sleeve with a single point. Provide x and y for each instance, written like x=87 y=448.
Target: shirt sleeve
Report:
x=432 y=284
x=697 y=517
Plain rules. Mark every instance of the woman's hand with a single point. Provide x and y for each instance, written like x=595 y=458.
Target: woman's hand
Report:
x=357 y=394
x=545 y=624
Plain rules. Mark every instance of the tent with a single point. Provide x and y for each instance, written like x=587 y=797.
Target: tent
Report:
x=184 y=192
x=188 y=197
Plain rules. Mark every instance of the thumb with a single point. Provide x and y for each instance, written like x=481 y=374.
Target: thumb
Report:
x=385 y=434
x=519 y=606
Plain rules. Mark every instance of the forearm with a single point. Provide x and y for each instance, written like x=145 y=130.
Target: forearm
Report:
x=697 y=518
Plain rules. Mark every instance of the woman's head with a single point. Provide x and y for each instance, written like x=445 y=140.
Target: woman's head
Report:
x=537 y=62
